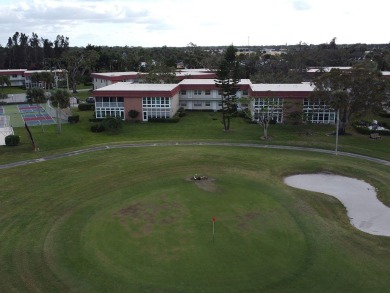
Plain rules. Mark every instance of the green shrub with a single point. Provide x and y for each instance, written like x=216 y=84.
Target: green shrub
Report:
x=95 y=119
x=112 y=123
x=86 y=107
x=362 y=128
x=385 y=114
x=295 y=117
x=133 y=114
x=12 y=140
x=74 y=119
x=164 y=120
x=97 y=128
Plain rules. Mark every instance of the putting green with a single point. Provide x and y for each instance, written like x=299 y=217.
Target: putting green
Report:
x=169 y=228
x=131 y=220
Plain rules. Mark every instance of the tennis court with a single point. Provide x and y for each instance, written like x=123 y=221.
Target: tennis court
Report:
x=34 y=115
x=30 y=108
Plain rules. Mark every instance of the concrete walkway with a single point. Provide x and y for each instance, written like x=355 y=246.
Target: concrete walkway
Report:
x=137 y=145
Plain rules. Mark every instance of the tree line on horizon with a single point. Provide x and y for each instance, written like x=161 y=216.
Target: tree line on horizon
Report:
x=285 y=64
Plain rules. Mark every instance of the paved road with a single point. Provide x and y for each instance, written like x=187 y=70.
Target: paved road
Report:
x=137 y=145
x=16 y=98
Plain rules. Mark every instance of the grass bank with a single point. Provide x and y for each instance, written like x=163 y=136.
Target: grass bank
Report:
x=196 y=126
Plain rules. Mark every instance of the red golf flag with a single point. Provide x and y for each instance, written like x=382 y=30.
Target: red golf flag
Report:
x=214 y=219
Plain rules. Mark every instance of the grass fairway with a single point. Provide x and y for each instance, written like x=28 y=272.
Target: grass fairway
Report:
x=130 y=220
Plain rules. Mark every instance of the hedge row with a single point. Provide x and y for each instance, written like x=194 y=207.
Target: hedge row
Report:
x=12 y=140
x=97 y=128
x=164 y=120
x=95 y=119
x=385 y=114
x=365 y=130
x=73 y=119
x=86 y=107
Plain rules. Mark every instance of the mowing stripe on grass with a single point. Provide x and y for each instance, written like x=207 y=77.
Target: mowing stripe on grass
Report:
x=140 y=145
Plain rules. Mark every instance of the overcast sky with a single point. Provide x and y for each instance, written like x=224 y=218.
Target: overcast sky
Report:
x=155 y=23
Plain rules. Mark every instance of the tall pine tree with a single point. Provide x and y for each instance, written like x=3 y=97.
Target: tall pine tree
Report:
x=227 y=81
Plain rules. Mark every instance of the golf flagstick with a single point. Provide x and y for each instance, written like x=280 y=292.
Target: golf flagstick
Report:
x=213 y=228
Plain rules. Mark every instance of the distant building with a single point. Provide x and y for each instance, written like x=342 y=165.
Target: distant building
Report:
x=58 y=76
x=22 y=77
x=16 y=76
x=180 y=65
x=108 y=78
x=313 y=72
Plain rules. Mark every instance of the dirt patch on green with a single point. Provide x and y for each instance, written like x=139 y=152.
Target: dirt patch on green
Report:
x=142 y=218
x=246 y=221
x=206 y=184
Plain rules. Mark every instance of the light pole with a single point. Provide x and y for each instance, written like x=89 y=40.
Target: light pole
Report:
x=337 y=129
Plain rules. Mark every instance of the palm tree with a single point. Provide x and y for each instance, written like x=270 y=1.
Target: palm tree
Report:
x=36 y=96
x=35 y=79
x=60 y=99
x=47 y=79
x=4 y=80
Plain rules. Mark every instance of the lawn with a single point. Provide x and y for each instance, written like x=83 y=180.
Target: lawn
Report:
x=131 y=220
x=12 y=90
x=196 y=126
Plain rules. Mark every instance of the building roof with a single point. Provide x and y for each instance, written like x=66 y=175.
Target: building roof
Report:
x=194 y=73
x=299 y=87
x=133 y=74
x=128 y=86
x=12 y=71
x=203 y=70
x=327 y=69
x=262 y=87
x=112 y=74
x=198 y=81
x=31 y=72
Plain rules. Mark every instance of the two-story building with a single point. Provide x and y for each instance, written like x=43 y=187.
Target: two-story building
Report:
x=59 y=75
x=107 y=78
x=16 y=76
x=164 y=100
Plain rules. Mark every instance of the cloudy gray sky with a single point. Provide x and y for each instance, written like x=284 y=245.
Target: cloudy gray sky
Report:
x=150 y=23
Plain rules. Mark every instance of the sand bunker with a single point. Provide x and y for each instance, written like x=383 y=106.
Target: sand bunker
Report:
x=364 y=209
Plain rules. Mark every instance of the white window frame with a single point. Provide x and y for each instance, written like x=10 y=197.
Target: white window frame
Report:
x=273 y=106
x=318 y=112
